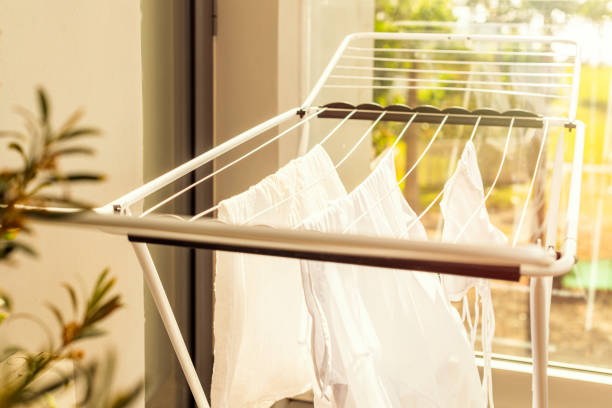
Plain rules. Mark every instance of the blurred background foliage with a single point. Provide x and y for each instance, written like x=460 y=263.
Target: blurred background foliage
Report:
x=32 y=183
x=35 y=179
x=37 y=378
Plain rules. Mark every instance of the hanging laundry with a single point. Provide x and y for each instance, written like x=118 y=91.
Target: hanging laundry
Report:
x=382 y=337
x=261 y=324
x=466 y=221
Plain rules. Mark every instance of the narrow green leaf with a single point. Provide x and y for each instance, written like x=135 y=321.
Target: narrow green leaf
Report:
x=19 y=149
x=75 y=177
x=73 y=296
x=58 y=315
x=5 y=302
x=89 y=332
x=99 y=294
x=72 y=120
x=126 y=398
x=101 y=279
x=74 y=150
x=105 y=310
x=44 y=200
x=43 y=105
x=8 y=248
x=50 y=400
x=12 y=134
x=79 y=132
x=34 y=395
x=7 y=352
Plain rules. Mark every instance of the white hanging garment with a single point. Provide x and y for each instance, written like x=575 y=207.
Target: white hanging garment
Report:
x=260 y=320
x=463 y=196
x=381 y=337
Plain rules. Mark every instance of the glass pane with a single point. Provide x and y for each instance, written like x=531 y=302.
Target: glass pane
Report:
x=581 y=316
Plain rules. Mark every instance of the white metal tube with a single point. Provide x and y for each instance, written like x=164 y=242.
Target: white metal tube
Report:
x=459 y=62
x=328 y=69
x=573 y=109
x=465 y=72
x=167 y=178
x=212 y=231
x=573 y=206
x=232 y=163
x=450 y=81
x=165 y=312
x=479 y=52
x=539 y=327
x=460 y=37
x=540 y=289
x=449 y=88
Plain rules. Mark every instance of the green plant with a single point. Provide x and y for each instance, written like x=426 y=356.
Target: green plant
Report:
x=22 y=373
x=40 y=148
x=34 y=378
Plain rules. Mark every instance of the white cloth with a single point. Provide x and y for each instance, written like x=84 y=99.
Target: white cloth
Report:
x=463 y=197
x=382 y=337
x=260 y=319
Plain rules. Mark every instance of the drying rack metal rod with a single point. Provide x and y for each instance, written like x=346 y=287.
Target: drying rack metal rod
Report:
x=473 y=260
x=160 y=182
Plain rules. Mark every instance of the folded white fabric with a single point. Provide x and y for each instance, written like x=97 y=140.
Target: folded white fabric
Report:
x=466 y=220
x=381 y=337
x=260 y=320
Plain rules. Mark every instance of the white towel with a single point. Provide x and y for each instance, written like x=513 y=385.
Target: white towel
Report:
x=261 y=324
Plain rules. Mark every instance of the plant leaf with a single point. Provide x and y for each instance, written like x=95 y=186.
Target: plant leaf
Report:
x=104 y=310
x=74 y=150
x=13 y=134
x=73 y=296
x=75 y=177
x=72 y=120
x=99 y=293
x=78 y=132
x=8 y=248
x=5 y=302
x=43 y=105
x=33 y=395
x=50 y=401
x=47 y=200
x=126 y=398
x=89 y=332
x=9 y=351
x=17 y=147
x=58 y=315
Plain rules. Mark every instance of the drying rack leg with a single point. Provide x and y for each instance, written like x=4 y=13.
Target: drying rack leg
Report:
x=165 y=311
x=539 y=341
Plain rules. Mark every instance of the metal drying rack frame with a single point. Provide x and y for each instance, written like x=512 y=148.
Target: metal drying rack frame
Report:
x=486 y=261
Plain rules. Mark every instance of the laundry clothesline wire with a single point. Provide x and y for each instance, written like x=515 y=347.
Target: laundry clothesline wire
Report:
x=441 y=193
x=244 y=156
x=486 y=197
x=531 y=185
x=325 y=139
x=404 y=177
x=456 y=62
x=449 y=88
x=452 y=81
x=459 y=72
x=348 y=154
x=479 y=52
x=401 y=134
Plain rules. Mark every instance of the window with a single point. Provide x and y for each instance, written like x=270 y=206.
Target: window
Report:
x=581 y=316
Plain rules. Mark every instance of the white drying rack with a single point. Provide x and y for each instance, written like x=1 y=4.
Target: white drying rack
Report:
x=346 y=70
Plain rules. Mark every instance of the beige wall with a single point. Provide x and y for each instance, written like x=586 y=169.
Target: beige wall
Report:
x=86 y=54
